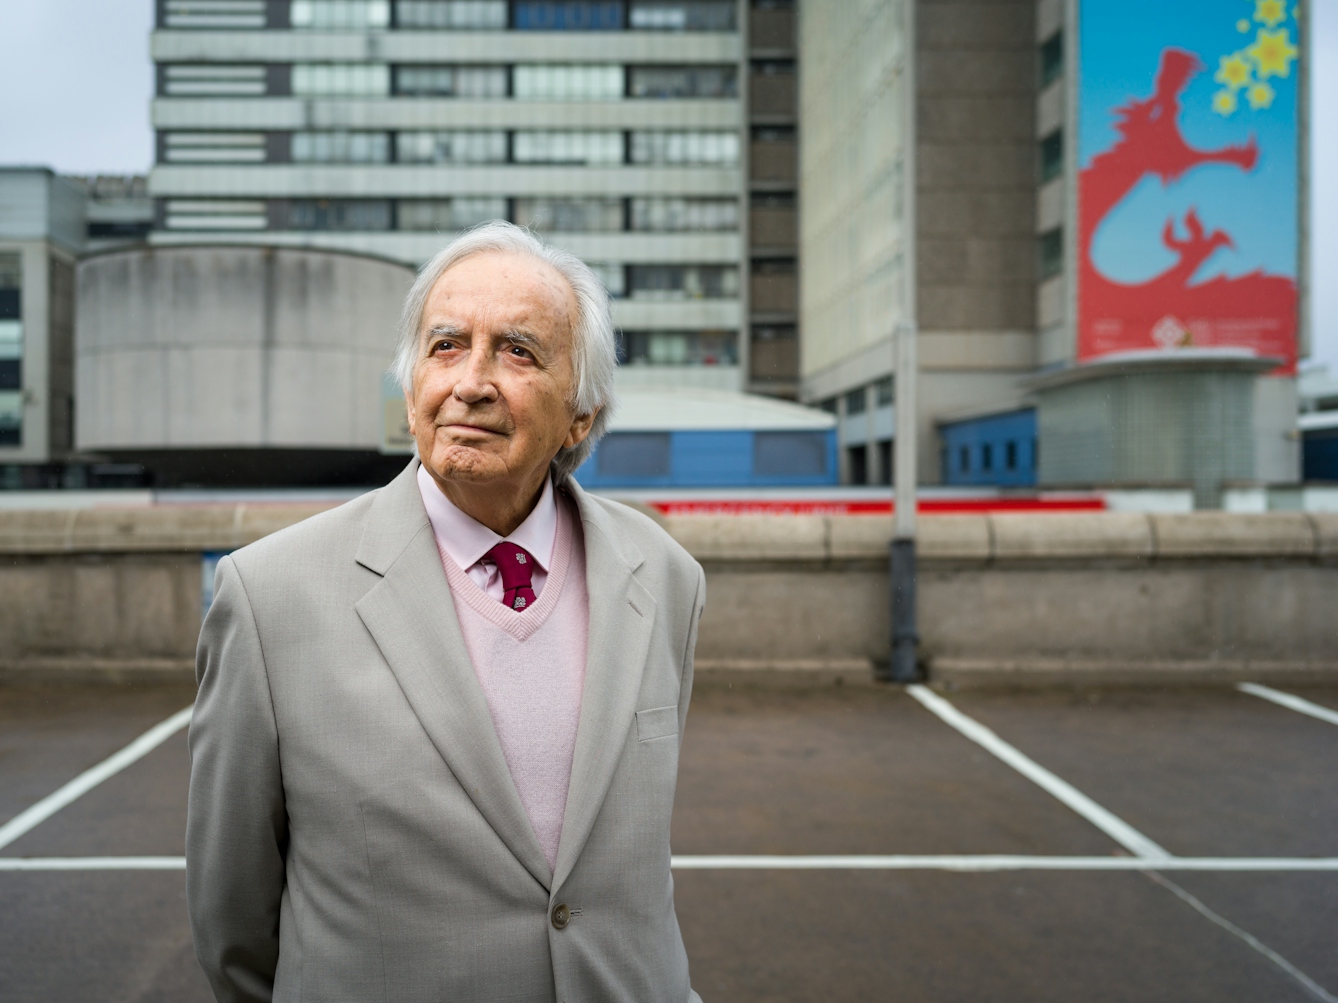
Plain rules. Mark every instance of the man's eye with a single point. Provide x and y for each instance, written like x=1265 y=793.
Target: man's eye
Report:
x=521 y=353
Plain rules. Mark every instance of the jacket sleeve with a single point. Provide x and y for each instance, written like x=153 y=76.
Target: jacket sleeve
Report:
x=237 y=824
x=690 y=652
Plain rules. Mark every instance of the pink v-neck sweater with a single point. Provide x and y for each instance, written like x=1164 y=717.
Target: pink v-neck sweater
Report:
x=531 y=665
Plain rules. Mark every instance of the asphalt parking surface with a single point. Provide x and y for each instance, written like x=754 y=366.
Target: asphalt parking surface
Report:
x=1204 y=772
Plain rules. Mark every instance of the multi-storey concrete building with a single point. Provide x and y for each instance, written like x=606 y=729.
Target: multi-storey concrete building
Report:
x=940 y=176
x=41 y=232
x=619 y=128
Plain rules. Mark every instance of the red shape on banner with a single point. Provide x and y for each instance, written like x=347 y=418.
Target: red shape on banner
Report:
x=1255 y=311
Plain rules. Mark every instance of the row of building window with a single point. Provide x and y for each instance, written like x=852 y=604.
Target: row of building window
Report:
x=857 y=400
x=451 y=15
x=11 y=350
x=601 y=147
x=522 y=81
x=663 y=214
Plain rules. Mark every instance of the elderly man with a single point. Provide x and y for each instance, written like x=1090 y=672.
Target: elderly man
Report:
x=436 y=740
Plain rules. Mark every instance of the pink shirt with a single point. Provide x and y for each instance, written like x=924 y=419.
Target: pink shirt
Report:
x=531 y=663
x=467 y=540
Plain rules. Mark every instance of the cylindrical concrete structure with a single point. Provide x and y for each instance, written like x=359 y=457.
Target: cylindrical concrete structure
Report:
x=233 y=348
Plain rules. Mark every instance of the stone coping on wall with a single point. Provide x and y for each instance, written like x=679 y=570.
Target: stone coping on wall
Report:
x=1003 y=536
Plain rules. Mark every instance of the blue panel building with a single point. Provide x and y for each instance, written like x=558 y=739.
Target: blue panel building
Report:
x=995 y=449
x=681 y=438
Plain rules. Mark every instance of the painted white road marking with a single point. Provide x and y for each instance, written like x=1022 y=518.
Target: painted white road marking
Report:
x=968 y=863
x=29 y=819
x=1318 y=991
x=1289 y=701
x=92 y=863
x=1114 y=827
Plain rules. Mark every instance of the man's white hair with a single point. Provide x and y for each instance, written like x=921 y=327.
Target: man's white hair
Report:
x=594 y=344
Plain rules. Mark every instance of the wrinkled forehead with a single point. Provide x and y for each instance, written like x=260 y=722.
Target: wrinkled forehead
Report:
x=501 y=289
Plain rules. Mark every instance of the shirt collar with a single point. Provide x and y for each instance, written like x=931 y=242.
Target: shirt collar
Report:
x=467 y=540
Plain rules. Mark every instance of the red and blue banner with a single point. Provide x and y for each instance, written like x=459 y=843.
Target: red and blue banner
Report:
x=1188 y=183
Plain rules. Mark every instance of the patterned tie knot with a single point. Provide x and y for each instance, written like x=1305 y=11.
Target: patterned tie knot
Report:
x=516 y=567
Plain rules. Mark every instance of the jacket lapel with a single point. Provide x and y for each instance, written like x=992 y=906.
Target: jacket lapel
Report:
x=621 y=621
x=411 y=616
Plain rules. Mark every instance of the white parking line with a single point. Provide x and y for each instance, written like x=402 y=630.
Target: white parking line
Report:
x=1313 y=987
x=1289 y=701
x=1113 y=826
x=966 y=863
x=92 y=863
x=29 y=819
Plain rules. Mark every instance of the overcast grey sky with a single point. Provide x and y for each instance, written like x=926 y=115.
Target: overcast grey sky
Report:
x=75 y=82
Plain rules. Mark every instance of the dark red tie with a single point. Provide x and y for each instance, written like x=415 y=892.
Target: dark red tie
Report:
x=516 y=567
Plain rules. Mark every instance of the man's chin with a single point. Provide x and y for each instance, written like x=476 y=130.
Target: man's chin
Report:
x=464 y=463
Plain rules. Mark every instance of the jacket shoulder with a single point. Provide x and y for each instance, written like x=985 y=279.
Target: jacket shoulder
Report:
x=334 y=533
x=652 y=539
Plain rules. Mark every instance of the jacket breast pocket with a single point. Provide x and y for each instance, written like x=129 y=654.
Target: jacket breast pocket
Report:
x=657 y=722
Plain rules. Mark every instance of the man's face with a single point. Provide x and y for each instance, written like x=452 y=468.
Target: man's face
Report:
x=493 y=380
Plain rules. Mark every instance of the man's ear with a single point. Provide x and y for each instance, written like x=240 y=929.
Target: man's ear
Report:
x=580 y=428
x=409 y=409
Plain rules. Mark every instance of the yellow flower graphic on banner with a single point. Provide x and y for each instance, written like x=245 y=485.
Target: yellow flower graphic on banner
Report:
x=1273 y=53
x=1261 y=95
x=1247 y=69
x=1233 y=71
x=1224 y=102
x=1270 y=12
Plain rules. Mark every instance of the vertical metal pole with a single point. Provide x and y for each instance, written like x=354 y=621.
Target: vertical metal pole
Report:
x=904 y=636
x=902 y=666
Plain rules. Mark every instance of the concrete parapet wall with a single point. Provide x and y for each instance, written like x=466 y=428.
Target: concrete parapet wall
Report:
x=1110 y=596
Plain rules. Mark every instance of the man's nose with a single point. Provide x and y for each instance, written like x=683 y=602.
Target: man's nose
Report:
x=476 y=382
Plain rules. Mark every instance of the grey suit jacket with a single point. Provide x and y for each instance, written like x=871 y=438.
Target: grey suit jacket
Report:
x=354 y=833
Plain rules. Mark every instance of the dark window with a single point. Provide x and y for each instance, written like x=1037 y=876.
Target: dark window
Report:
x=856 y=401
x=1010 y=456
x=11 y=374
x=859 y=464
x=339 y=214
x=683 y=281
x=789 y=454
x=9 y=304
x=679 y=348
x=884 y=391
x=886 y=456
x=1050 y=252
x=963 y=458
x=567 y=15
x=1052 y=155
x=829 y=405
x=681 y=82
x=681 y=15
x=10 y=435
x=1052 y=58
x=633 y=454
x=987 y=457
x=126 y=231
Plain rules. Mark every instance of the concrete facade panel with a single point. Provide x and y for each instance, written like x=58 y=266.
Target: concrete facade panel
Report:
x=391 y=180
x=677 y=315
x=1050 y=200
x=441 y=47
x=966 y=27
x=976 y=214
x=233 y=347
x=1008 y=72
x=945 y=261
x=426 y=113
x=982 y=306
x=1050 y=109
x=415 y=248
x=942 y=118
x=974 y=166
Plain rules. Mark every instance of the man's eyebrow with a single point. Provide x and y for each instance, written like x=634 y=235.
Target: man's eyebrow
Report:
x=521 y=338
x=443 y=330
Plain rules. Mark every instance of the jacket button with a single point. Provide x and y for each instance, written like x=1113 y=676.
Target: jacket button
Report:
x=561 y=916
